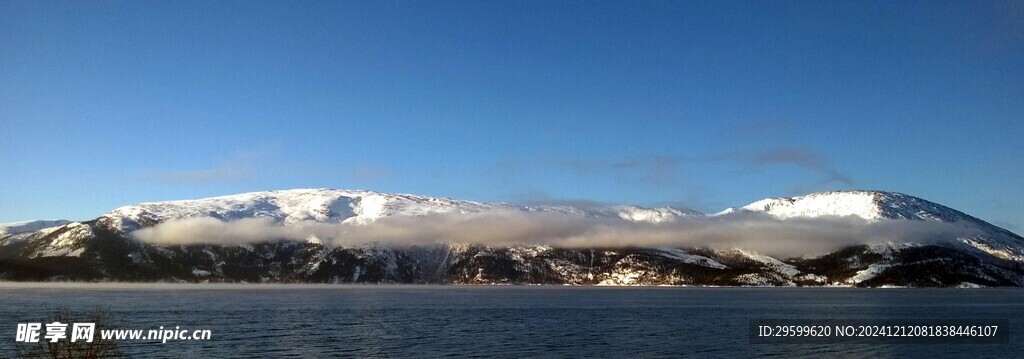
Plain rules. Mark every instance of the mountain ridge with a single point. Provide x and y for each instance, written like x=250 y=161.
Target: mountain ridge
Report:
x=30 y=226
x=102 y=249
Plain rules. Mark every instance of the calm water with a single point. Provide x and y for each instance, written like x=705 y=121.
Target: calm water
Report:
x=431 y=321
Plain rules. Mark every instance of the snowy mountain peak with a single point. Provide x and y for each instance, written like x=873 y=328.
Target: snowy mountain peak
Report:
x=289 y=206
x=30 y=226
x=869 y=205
x=879 y=205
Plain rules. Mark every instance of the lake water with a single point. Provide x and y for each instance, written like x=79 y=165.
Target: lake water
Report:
x=431 y=321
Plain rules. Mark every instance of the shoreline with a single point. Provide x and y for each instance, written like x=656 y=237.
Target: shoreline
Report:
x=283 y=286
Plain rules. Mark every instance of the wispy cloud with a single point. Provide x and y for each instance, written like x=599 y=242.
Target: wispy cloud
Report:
x=668 y=170
x=801 y=157
x=780 y=146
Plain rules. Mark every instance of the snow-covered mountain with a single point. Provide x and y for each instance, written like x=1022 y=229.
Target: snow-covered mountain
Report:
x=289 y=206
x=30 y=226
x=877 y=205
x=332 y=205
x=103 y=249
x=870 y=205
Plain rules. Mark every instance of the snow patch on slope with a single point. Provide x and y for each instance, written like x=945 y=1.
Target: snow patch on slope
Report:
x=68 y=243
x=770 y=262
x=683 y=256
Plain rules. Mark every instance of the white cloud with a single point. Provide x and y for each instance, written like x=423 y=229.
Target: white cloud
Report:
x=791 y=237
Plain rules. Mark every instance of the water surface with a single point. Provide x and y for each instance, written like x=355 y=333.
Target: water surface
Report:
x=407 y=320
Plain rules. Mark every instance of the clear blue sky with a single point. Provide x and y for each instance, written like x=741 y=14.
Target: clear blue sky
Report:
x=701 y=104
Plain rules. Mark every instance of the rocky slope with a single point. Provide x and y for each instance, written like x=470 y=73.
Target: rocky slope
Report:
x=103 y=248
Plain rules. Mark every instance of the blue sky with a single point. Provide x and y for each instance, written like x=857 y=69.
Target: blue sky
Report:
x=698 y=104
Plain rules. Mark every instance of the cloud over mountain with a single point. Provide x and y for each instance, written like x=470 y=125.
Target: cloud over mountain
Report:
x=756 y=231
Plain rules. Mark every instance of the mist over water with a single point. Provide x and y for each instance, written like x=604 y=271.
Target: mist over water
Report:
x=754 y=231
